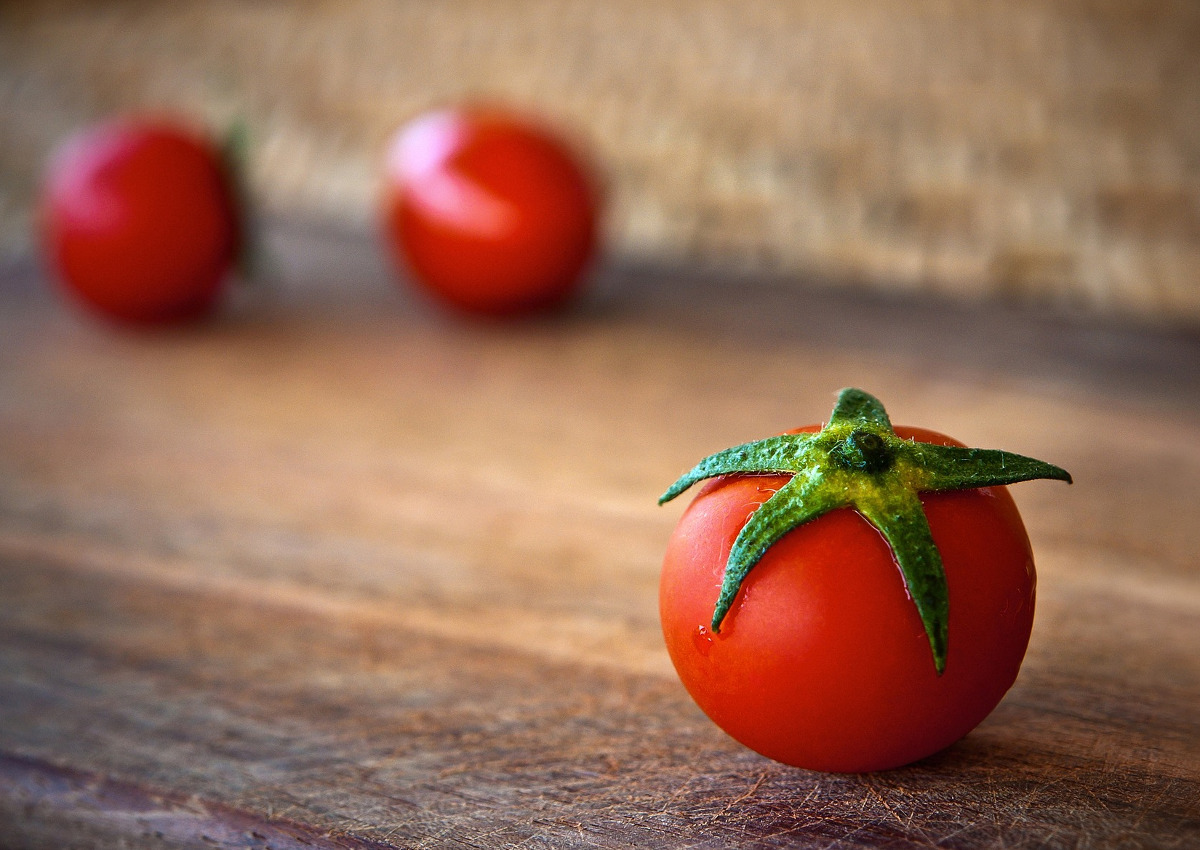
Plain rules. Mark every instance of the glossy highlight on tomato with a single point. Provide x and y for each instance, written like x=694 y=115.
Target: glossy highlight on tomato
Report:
x=822 y=660
x=489 y=212
x=139 y=221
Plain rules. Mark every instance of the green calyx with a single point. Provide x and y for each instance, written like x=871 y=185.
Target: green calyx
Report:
x=858 y=461
x=250 y=260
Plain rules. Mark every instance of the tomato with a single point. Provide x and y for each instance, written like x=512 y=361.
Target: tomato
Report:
x=140 y=222
x=488 y=212
x=822 y=659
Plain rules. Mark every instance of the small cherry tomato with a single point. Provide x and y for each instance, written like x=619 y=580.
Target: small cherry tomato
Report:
x=488 y=212
x=846 y=599
x=140 y=221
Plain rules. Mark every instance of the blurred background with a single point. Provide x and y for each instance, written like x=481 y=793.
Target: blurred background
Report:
x=1031 y=151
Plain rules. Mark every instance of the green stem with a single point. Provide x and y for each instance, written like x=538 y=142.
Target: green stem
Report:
x=857 y=460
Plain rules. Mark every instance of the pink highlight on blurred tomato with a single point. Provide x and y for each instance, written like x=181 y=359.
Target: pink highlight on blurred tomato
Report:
x=417 y=160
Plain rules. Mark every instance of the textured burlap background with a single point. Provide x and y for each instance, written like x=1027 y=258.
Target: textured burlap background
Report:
x=1032 y=149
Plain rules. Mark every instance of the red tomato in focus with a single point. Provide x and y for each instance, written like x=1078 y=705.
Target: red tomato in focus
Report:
x=822 y=662
x=488 y=212
x=139 y=221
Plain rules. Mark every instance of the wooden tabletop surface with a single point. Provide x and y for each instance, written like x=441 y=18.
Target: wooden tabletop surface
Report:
x=338 y=570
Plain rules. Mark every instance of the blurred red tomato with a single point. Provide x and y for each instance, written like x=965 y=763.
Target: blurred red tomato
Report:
x=139 y=220
x=489 y=212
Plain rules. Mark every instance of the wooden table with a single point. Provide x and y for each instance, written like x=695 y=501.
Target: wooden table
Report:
x=341 y=571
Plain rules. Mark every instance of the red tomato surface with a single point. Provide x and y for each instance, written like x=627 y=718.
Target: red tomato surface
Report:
x=488 y=212
x=823 y=662
x=139 y=221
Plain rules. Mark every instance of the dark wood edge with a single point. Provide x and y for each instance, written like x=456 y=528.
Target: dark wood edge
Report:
x=34 y=790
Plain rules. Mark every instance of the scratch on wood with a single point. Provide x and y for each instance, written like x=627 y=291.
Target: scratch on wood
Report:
x=762 y=777
x=906 y=822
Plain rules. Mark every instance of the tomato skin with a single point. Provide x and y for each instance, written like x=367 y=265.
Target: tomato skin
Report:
x=139 y=221
x=823 y=662
x=488 y=212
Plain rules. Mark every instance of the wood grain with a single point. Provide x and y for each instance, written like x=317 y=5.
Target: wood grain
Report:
x=341 y=571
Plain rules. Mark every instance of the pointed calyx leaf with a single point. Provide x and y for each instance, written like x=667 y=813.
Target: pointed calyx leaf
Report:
x=855 y=406
x=956 y=468
x=774 y=454
x=901 y=519
x=796 y=503
x=858 y=461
